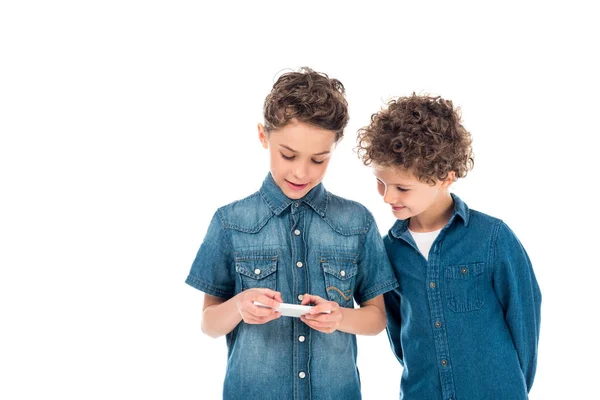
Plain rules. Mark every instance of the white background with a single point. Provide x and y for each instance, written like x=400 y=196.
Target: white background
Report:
x=125 y=124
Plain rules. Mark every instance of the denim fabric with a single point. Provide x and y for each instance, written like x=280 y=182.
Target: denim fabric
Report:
x=321 y=244
x=466 y=323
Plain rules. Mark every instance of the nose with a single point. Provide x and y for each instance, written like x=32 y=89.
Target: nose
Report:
x=384 y=192
x=388 y=196
x=300 y=170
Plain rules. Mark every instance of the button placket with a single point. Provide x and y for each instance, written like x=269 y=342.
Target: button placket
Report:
x=434 y=297
x=300 y=273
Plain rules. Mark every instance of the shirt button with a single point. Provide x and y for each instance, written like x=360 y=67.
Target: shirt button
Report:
x=296 y=232
x=464 y=270
x=438 y=324
x=299 y=264
x=296 y=204
x=432 y=285
x=302 y=375
x=300 y=297
x=257 y=271
x=301 y=338
x=343 y=273
x=444 y=362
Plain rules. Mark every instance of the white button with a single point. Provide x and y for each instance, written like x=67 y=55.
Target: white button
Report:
x=343 y=273
x=296 y=232
x=300 y=297
x=296 y=204
x=257 y=271
x=299 y=264
x=301 y=338
x=302 y=375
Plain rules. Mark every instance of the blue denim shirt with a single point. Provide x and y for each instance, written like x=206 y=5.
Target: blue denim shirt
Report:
x=466 y=323
x=321 y=244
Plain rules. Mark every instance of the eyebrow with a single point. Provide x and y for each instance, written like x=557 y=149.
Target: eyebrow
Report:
x=393 y=184
x=316 y=154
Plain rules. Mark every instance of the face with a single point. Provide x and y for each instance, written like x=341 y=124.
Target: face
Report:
x=300 y=154
x=408 y=196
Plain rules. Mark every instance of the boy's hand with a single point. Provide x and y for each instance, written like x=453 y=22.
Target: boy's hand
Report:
x=317 y=319
x=252 y=314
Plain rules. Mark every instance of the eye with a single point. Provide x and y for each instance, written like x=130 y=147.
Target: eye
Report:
x=287 y=157
x=401 y=189
x=317 y=162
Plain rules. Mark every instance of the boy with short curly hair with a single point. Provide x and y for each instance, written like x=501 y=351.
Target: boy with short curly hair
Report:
x=293 y=241
x=464 y=321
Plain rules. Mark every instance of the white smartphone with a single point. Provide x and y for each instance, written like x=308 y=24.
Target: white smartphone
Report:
x=289 y=310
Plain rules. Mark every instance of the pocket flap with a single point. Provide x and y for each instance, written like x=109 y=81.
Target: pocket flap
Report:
x=342 y=269
x=256 y=268
x=466 y=271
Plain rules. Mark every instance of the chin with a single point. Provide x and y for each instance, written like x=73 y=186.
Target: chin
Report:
x=400 y=215
x=296 y=195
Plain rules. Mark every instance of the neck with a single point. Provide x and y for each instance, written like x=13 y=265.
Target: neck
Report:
x=435 y=217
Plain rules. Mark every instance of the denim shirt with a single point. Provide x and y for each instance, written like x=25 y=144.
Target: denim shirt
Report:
x=321 y=244
x=466 y=323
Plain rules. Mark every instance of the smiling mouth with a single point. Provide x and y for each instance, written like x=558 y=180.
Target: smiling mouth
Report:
x=296 y=186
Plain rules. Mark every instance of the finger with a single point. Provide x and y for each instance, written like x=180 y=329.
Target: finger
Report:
x=325 y=318
x=258 y=311
x=268 y=292
x=306 y=299
x=326 y=328
x=268 y=301
x=324 y=307
x=261 y=320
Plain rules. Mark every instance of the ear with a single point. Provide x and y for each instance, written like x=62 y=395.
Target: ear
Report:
x=262 y=136
x=449 y=180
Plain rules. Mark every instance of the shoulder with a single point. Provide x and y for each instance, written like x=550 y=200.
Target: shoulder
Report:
x=498 y=230
x=482 y=219
x=249 y=214
x=347 y=216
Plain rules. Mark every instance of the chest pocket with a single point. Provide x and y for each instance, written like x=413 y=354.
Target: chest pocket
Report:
x=464 y=287
x=340 y=276
x=257 y=272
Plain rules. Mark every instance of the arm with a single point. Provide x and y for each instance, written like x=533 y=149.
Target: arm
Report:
x=220 y=316
x=519 y=294
x=394 y=322
x=369 y=319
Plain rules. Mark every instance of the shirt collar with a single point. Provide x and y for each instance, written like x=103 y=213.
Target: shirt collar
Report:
x=460 y=209
x=277 y=201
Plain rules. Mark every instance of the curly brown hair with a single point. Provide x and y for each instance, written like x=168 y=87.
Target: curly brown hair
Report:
x=421 y=134
x=310 y=97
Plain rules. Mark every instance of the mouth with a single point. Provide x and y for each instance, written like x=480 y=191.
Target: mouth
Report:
x=295 y=186
x=398 y=208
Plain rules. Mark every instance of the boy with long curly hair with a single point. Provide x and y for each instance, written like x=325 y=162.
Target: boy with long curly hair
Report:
x=464 y=321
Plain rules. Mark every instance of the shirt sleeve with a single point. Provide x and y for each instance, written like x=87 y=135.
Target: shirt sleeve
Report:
x=375 y=275
x=392 y=310
x=212 y=270
x=519 y=294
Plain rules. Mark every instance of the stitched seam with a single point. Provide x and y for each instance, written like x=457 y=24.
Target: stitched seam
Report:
x=377 y=290
x=340 y=292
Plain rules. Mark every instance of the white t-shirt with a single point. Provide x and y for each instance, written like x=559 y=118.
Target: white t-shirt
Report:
x=424 y=240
